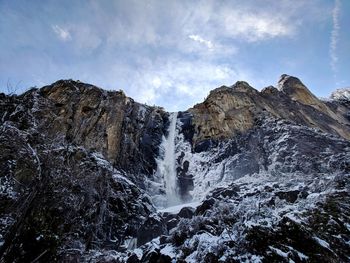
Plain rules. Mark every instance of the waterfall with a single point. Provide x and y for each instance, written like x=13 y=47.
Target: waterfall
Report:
x=167 y=163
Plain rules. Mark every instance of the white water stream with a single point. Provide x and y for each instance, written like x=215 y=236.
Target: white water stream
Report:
x=167 y=163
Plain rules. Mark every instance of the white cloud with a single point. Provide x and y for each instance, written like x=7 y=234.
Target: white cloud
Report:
x=156 y=82
x=251 y=26
x=63 y=34
x=334 y=37
x=177 y=83
x=217 y=26
x=157 y=51
x=170 y=24
x=86 y=37
x=245 y=21
x=201 y=40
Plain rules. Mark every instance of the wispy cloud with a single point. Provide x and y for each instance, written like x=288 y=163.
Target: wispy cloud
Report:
x=62 y=34
x=334 y=37
x=201 y=40
x=257 y=27
x=166 y=52
x=176 y=83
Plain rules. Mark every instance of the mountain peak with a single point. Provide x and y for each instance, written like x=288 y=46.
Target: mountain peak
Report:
x=296 y=90
x=243 y=86
x=341 y=94
x=288 y=84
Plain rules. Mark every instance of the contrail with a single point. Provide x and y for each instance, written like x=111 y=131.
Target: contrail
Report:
x=334 y=37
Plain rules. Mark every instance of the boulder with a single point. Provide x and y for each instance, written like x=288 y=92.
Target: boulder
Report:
x=186 y=212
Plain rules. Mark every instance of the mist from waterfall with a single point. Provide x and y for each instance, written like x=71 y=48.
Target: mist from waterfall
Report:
x=167 y=163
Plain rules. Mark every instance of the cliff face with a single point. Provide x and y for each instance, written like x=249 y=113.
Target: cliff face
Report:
x=127 y=133
x=228 y=111
x=65 y=151
x=79 y=178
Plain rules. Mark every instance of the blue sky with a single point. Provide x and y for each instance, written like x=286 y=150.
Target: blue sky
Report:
x=172 y=53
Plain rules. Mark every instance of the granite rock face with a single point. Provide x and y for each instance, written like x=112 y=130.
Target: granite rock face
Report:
x=68 y=153
x=124 y=131
x=265 y=175
x=229 y=111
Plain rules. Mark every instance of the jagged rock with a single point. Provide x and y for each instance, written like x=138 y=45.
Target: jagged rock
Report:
x=342 y=95
x=172 y=223
x=154 y=226
x=78 y=169
x=224 y=113
x=156 y=257
x=186 y=212
x=225 y=192
x=289 y=196
x=205 y=145
x=124 y=131
x=185 y=180
x=229 y=111
x=205 y=206
x=187 y=128
x=68 y=204
x=295 y=89
x=58 y=196
x=133 y=259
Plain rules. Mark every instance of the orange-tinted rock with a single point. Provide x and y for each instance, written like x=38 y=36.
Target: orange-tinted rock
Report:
x=228 y=111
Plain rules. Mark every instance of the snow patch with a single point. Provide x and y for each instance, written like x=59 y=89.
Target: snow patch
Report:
x=176 y=209
x=279 y=252
x=168 y=250
x=341 y=94
x=119 y=177
x=321 y=242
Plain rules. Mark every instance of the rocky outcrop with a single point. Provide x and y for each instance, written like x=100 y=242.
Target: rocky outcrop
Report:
x=259 y=218
x=229 y=111
x=340 y=102
x=127 y=133
x=297 y=91
x=57 y=201
x=68 y=153
x=341 y=95
x=226 y=112
x=267 y=170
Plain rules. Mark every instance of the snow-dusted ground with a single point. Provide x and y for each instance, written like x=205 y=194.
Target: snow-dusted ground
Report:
x=285 y=193
x=293 y=206
x=215 y=168
x=260 y=201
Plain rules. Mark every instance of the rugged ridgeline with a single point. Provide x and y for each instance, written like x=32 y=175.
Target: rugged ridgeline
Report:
x=88 y=175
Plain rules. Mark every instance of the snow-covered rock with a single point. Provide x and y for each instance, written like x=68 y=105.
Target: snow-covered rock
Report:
x=258 y=177
x=341 y=94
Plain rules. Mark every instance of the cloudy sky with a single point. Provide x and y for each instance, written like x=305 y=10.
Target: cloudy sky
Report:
x=172 y=53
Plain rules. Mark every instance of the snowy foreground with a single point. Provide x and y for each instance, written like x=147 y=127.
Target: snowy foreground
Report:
x=285 y=214
x=259 y=218
x=277 y=215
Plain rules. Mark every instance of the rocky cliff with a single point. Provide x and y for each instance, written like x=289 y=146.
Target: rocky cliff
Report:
x=228 y=111
x=265 y=175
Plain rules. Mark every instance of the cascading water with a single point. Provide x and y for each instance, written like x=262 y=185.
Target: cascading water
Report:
x=167 y=164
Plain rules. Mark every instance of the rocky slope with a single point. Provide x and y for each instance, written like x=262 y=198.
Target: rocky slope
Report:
x=266 y=176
